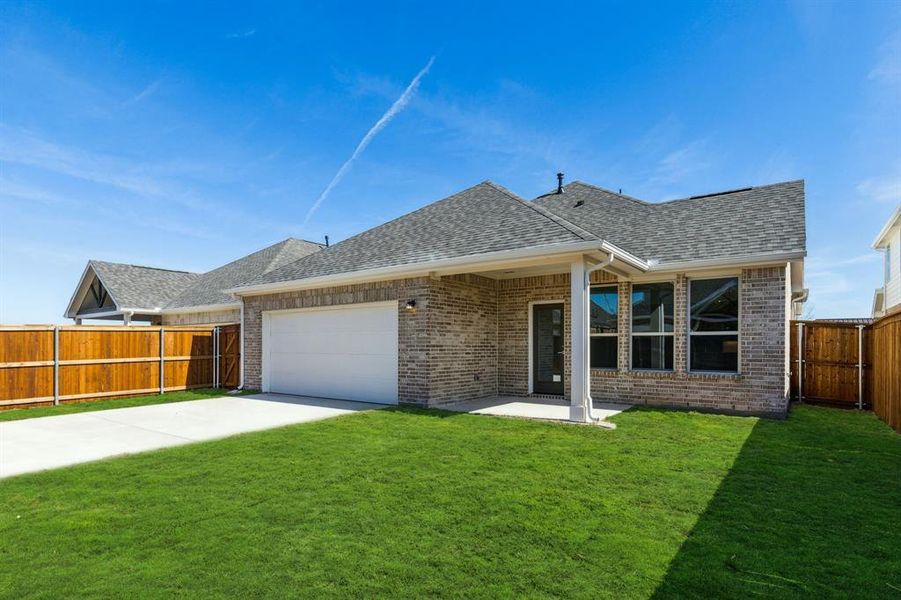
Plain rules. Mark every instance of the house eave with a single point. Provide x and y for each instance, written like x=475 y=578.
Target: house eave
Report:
x=756 y=260
x=201 y=308
x=472 y=262
x=881 y=240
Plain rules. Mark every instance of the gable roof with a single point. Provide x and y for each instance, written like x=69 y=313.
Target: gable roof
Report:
x=133 y=286
x=208 y=288
x=882 y=240
x=760 y=220
x=482 y=219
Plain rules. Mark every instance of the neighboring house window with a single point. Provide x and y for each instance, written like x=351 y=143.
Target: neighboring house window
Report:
x=713 y=325
x=652 y=326
x=603 y=326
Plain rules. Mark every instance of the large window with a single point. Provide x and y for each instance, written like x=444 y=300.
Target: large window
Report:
x=713 y=325
x=603 y=326
x=652 y=326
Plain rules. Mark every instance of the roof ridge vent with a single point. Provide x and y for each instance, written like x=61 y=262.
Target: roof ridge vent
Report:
x=746 y=189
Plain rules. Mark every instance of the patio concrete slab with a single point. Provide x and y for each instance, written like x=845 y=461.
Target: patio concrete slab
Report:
x=532 y=408
x=49 y=442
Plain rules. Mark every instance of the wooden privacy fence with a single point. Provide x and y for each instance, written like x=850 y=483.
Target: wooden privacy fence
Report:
x=849 y=365
x=52 y=364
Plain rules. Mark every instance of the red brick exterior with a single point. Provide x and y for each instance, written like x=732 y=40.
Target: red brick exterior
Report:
x=469 y=338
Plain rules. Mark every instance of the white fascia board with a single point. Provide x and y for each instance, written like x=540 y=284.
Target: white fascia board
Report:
x=201 y=308
x=79 y=292
x=485 y=261
x=733 y=261
x=626 y=257
x=118 y=311
x=880 y=241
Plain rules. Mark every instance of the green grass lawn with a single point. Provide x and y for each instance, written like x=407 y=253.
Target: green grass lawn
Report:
x=425 y=503
x=67 y=409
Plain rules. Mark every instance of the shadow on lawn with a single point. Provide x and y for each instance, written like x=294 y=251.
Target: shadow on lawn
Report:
x=809 y=509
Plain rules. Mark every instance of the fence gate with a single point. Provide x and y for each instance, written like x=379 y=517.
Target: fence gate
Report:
x=829 y=363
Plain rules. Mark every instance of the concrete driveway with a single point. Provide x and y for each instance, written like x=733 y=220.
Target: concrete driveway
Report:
x=50 y=442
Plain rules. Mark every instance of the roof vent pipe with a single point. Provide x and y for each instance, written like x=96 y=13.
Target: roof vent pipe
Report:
x=326 y=241
x=559 y=183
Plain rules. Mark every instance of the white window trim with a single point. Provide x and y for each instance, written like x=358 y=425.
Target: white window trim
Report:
x=689 y=333
x=633 y=333
x=615 y=334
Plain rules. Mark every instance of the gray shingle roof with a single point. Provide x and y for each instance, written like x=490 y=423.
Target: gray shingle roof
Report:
x=207 y=288
x=758 y=220
x=484 y=218
x=132 y=286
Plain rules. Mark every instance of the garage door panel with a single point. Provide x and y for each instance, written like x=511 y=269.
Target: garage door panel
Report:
x=338 y=343
x=349 y=353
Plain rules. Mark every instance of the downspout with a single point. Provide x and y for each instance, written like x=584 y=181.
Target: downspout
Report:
x=241 y=361
x=588 y=402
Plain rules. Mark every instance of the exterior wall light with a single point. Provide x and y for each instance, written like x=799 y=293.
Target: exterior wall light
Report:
x=410 y=305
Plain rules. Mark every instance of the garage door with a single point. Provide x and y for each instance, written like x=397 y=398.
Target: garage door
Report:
x=347 y=352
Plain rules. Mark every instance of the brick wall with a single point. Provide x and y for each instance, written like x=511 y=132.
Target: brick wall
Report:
x=760 y=388
x=469 y=338
x=463 y=332
x=447 y=346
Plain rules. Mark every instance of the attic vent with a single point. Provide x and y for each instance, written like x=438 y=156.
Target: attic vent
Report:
x=578 y=204
x=721 y=193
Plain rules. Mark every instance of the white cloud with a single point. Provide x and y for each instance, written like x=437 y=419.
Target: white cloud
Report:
x=888 y=67
x=145 y=93
x=241 y=34
x=883 y=189
x=386 y=118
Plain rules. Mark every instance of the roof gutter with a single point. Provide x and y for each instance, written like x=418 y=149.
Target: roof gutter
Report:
x=732 y=261
x=484 y=261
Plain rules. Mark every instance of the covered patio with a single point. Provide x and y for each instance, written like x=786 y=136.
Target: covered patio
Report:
x=548 y=409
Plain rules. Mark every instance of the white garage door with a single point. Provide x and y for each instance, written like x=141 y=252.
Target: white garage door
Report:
x=347 y=352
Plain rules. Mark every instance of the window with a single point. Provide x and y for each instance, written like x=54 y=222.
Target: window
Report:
x=652 y=326
x=603 y=326
x=713 y=325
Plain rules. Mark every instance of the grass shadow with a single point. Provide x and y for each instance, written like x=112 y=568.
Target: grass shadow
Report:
x=810 y=508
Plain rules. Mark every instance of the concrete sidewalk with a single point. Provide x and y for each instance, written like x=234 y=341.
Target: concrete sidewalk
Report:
x=49 y=442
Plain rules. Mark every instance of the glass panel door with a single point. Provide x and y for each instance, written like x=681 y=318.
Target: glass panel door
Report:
x=547 y=349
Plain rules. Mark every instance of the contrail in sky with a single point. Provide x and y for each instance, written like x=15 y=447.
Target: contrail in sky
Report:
x=392 y=112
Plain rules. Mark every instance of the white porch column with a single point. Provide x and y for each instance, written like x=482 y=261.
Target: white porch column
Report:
x=578 y=285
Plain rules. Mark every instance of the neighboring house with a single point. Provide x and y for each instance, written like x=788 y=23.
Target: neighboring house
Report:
x=887 y=299
x=121 y=292
x=582 y=293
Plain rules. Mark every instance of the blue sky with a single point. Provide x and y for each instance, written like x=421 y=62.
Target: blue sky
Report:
x=185 y=136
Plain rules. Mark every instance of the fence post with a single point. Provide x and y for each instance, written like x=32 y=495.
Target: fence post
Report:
x=800 y=361
x=162 y=361
x=216 y=357
x=860 y=367
x=56 y=365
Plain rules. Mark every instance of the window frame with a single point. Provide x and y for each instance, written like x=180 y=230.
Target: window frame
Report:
x=690 y=333
x=615 y=287
x=633 y=334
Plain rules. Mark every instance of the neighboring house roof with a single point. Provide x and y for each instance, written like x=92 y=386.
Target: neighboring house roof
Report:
x=767 y=219
x=848 y=321
x=132 y=286
x=206 y=290
x=482 y=219
x=882 y=240
x=153 y=290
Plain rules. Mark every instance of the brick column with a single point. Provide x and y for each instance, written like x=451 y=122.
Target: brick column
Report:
x=680 y=324
x=624 y=326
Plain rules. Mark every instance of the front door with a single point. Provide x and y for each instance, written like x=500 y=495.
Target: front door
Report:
x=547 y=349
